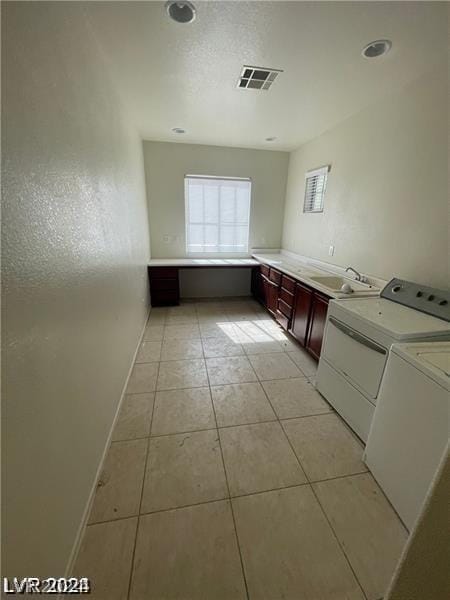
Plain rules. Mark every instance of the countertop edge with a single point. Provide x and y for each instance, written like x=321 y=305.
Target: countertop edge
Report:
x=262 y=259
x=203 y=263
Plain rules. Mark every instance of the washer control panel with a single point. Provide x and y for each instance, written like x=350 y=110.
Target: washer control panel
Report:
x=420 y=297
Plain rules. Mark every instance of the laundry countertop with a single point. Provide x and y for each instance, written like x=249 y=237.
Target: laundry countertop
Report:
x=203 y=262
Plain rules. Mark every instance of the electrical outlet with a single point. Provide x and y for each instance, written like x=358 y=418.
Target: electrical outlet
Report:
x=331 y=251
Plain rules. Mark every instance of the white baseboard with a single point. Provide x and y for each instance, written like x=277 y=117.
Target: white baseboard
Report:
x=87 y=510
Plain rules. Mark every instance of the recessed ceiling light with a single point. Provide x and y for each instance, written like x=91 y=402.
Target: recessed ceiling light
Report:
x=181 y=12
x=271 y=139
x=377 y=48
x=178 y=130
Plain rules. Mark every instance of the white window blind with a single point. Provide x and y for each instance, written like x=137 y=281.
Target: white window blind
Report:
x=315 y=184
x=217 y=214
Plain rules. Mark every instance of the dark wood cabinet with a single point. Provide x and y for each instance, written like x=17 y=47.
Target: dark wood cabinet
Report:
x=256 y=282
x=285 y=301
x=302 y=310
x=271 y=294
x=288 y=284
x=309 y=318
x=258 y=289
x=266 y=287
x=265 y=270
x=318 y=319
x=164 y=286
x=297 y=307
x=262 y=290
x=275 y=277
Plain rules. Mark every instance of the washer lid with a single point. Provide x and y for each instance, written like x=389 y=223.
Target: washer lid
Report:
x=432 y=358
x=438 y=360
x=396 y=320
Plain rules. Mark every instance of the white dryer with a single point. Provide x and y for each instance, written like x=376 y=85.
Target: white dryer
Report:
x=358 y=336
x=410 y=427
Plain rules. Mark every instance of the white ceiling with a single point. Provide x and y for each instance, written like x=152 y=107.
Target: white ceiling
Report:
x=173 y=75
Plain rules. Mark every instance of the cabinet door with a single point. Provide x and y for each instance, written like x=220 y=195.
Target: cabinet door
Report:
x=271 y=294
x=265 y=291
x=302 y=309
x=261 y=289
x=164 y=286
x=272 y=300
x=317 y=325
x=256 y=282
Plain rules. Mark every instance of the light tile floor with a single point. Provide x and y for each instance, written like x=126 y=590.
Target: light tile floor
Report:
x=230 y=477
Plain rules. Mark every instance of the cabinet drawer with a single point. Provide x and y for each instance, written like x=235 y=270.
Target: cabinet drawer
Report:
x=265 y=270
x=287 y=297
x=275 y=276
x=157 y=285
x=288 y=284
x=163 y=272
x=282 y=320
x=284 y=308
x=164 y=297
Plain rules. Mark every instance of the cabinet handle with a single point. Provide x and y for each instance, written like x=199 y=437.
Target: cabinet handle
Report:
x=356 y=336
x=269 y=281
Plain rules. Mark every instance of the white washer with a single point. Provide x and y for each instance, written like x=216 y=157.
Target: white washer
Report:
x=357 y=339
x=410 y=428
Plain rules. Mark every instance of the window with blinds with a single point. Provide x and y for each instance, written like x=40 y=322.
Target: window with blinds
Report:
x=217 y=214
x=315 y=184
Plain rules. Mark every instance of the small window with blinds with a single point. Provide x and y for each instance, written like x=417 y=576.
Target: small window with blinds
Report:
x=315 y=185
x=217 y=214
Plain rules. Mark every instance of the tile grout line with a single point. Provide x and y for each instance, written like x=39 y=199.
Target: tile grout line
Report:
x=142 y=490
x=182 y=506
x=231 y=503
x=323 y=511
x=310 y=483
x=227 y=483
x=338 y=540
x=228 y=489
x=217 y=429
x=274 y=420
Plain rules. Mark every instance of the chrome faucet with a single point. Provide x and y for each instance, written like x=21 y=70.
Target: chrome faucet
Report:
x=358 y=276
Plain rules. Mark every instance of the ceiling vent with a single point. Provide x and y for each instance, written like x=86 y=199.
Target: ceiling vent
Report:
x=257 y=78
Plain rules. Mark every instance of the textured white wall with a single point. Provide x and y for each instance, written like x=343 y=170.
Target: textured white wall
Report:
x=75 y=248
x=386 y=205
x=167 y=163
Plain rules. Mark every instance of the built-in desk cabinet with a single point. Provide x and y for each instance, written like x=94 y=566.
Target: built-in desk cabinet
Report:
x=164 y=286
x=298 y=308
